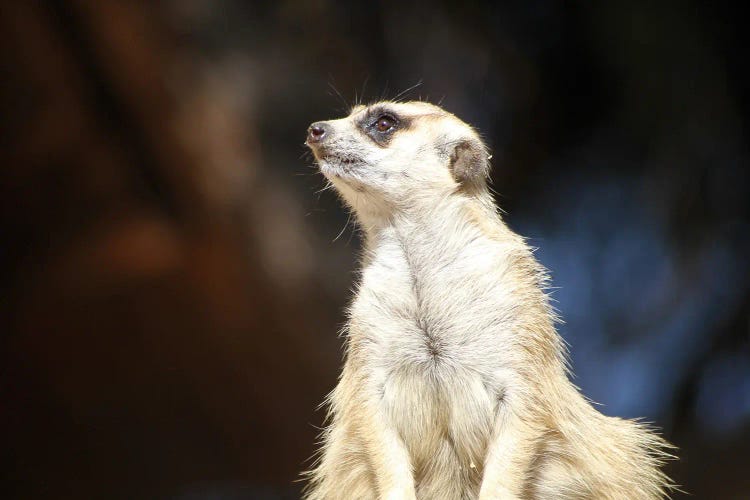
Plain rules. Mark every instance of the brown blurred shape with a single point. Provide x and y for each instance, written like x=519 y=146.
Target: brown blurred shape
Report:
x=145 y=349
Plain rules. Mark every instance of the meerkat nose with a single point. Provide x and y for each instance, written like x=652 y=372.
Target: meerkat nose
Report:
x=317 y=132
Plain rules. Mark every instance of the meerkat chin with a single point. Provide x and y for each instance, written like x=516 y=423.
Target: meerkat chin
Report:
x=454 y=384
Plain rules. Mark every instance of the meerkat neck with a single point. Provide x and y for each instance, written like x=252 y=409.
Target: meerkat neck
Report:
x=439 y=227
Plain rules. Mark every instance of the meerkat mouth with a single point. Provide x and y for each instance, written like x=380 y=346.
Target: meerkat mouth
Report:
x=339 y=165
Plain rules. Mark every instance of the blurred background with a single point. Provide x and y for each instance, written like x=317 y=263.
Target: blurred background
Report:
x=172 y=280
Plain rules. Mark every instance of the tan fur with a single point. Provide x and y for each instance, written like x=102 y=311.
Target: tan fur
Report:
x=455 y=383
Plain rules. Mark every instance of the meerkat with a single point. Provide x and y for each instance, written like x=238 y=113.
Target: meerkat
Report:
x=455 y=383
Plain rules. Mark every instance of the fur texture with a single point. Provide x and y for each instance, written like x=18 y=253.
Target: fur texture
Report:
x=455 y=382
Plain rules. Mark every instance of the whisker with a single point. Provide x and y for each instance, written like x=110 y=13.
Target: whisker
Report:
x=404 y=92
x=355 y=228
x=385 y=92
x=364 y=85
x=327 y=187
x=343 y=228
x=341 y=97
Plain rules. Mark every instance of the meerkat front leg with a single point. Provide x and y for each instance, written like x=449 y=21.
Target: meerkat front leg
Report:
x=388 y=455
x=509 y=454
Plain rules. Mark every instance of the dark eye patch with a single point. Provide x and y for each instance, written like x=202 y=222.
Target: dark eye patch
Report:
x=380 y=123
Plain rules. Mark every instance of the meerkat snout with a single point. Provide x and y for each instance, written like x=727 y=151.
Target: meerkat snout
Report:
x=316 y=133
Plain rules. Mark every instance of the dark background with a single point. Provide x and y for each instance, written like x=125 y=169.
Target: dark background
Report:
x=172 y=283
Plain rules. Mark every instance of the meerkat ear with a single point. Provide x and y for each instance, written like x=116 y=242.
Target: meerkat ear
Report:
x=470 y=163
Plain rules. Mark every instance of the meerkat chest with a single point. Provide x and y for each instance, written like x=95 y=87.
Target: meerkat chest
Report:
x=438 y=367
x=440 y=310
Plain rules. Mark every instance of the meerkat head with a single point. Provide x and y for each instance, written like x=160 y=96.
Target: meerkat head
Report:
x=389 y=156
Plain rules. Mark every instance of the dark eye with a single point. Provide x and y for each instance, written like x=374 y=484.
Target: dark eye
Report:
x=385 y=123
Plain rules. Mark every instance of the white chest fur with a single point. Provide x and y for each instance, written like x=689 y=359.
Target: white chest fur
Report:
x=432 y=323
